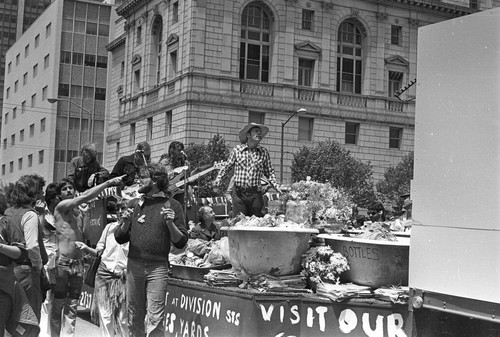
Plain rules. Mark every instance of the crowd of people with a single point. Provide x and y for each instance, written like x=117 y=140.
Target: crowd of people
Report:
x=43 y=243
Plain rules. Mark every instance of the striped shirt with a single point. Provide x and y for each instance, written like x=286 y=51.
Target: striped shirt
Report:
x=249 y=166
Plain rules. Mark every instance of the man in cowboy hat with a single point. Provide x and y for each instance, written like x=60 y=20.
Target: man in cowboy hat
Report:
x=251 y=162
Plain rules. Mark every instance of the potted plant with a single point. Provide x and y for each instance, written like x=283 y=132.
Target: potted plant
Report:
x=322 y=264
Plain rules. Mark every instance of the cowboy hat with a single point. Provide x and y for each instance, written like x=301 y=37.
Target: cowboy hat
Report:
x=244 y=131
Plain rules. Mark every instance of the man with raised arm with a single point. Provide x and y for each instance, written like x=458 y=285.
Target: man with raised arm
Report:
x=69 y=262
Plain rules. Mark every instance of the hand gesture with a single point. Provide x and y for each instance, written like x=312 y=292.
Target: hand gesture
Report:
x=168 y=213
x=116 y=180
x=84 y=208
x=40 y=206
x=80 y=245
x=127 y=214
x=90 y=182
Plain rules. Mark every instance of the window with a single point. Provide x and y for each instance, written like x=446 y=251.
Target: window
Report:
x=21 y=135
x=74 y=123
x=35 y=70
x=89 y=60
x=32 y=130
x=168 y=123
x=14 y=113
x=256 y=117
x=33 y=100
x=37 y=40
x=44 y=93
x=175 y=12
x=138 y=36
x=63 y=90
x=100 y=94
x=12 y=140
x=102 y=61
x=474 y=4
x=91 y=28
x=6 y=118
x=11 y=167
x=40 y=157
x=3 y=169
x=395 y=136
x=26 y=51
x=103 y=30
x=23 y=107
x=396 y=35
x=132 y=134
x=88 y=92
x=16 y=85
x=395 y=82
x=48 y=29
x=42 y=124
x=117 y=151
x=306 y=68
x=17 y=59
x=20 y=164
x=65 y=57
x=149 y=129
x=254 y=46
x=60 y=156
x=9 y=67
x=25 y=79
x=7 y=93
x=4 y=143
x=307 y=19
x=351 y=133
x=137 y=81
x=79 y=26
x=156 y=43
x=71 y=154
x=76 y=91
x=30 y=160
x=306 y=125
x=77 y=59
x=349 y=60
x=173 y=63
x=122 y=69
x=46 y=61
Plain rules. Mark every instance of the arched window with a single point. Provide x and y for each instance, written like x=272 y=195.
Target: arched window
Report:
x=255 y=38
x=156 y=41
x=349 y=57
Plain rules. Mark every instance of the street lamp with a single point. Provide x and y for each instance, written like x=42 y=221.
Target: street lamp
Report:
x=91 y=126
x=283 y=138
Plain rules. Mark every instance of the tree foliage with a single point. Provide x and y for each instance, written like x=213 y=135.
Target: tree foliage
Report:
x=203 y=156
x=396 y=182
x=330 y=162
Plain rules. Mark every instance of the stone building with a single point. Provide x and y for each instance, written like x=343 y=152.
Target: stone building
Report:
x=189 y=69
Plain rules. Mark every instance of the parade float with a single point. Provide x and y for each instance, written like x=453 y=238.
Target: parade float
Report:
x=284 y=279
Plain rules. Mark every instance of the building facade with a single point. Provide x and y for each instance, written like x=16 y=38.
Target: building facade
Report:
x=15 y=17
x=189 y=69
x=55 y=90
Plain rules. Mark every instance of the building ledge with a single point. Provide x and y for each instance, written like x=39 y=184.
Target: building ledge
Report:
x=116 y=42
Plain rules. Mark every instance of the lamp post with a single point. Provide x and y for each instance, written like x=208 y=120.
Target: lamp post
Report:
x=283 y=139
x=91 y=119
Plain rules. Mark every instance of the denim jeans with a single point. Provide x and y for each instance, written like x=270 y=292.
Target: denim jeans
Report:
x=248 y=204
x=146 y=291
x=69 y=281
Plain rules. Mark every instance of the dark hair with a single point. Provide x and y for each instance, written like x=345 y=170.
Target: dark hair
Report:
x=177 y=159
x=51 y=193
x=63 y=182
x=39 y=180
x=25 y=191
x=159 y=175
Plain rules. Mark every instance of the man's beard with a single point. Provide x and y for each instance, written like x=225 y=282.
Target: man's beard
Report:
x=145 y=189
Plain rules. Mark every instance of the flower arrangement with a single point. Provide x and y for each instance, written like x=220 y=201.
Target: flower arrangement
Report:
x=323 y=264
x=323 y=201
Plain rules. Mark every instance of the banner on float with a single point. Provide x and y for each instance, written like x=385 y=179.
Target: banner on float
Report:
x=203 y=313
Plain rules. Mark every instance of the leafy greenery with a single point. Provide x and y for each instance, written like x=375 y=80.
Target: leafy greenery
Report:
x=396 y=182
x=203 y=156
x=330 y=162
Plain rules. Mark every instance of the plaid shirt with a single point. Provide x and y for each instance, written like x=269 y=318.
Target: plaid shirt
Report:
x=249 y=166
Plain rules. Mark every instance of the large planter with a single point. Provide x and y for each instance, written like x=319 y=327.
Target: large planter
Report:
x=373 y=263
x=275 y=251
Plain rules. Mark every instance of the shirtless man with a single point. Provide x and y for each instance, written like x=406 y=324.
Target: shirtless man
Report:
x=69 y=263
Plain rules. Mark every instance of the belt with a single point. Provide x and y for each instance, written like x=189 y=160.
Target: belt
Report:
x=247 y=190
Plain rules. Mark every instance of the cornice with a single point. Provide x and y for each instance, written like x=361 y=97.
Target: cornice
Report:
x=116 y=42
x=130 y=6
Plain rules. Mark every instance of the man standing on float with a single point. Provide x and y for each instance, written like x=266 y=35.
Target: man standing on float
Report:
x=251 y=164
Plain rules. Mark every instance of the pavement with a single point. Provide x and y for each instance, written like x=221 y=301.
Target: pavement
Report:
x=84 y=326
